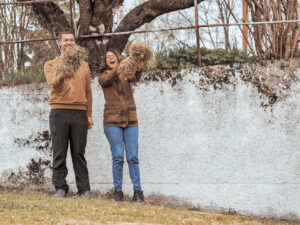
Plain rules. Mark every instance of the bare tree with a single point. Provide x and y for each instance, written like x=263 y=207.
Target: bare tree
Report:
x=13 y=24
x=17 y=22
x=96 y=16
x=277 y=40
x=211 y=12
x=225 y=15
x=161 y=41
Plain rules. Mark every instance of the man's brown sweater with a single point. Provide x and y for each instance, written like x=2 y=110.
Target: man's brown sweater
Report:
x=67 y=93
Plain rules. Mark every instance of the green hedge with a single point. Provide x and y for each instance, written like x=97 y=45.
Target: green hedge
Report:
x=180 y=57
x=188 y=57
x=31 y=75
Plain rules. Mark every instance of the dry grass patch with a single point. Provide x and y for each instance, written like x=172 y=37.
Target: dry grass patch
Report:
x=39 y=207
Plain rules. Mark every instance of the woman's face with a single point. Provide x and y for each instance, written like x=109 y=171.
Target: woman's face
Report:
x=111 y=60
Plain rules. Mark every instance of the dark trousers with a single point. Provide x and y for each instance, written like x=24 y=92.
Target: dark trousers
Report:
x=69 y=125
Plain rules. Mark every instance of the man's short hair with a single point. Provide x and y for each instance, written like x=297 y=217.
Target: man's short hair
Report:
x=65 y=31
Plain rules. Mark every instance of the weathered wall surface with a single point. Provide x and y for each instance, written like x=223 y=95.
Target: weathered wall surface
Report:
x=219 y=137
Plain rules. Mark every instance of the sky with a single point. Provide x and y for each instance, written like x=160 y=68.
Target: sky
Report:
x=211 y=38
x=188 y=36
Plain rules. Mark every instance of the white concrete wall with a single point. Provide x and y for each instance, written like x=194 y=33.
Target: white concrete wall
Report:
x=216 y=148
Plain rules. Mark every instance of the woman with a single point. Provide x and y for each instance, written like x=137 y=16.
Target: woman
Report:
x=121 y=124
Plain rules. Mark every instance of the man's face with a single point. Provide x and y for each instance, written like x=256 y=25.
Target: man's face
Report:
x=66 y=41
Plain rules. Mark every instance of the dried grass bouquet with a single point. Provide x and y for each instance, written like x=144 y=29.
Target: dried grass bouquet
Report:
x=138 y=52
x=72 y=60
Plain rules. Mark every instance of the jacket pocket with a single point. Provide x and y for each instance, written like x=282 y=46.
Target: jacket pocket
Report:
x=112 y=116
x=132 y=116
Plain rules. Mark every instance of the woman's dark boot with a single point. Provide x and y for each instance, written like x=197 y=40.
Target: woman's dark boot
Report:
x=118 y=195
x=138 y=196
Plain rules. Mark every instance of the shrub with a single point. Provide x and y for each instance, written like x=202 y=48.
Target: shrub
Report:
x=31 y=75
x=188 y=57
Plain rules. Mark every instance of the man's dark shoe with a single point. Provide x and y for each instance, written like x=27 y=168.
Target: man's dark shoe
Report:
x=138 y=196
x=60 y=193
x=118 y=195
x=87 y=193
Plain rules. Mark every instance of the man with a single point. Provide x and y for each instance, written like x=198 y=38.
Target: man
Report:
x=70 y=118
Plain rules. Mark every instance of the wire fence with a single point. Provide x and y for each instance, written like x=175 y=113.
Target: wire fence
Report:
x=30 y=2
x=154 y=30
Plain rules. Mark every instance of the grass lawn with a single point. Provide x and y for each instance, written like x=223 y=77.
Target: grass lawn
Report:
x=39 y=207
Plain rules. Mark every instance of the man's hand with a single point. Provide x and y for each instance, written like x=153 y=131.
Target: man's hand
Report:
x=67 y=74
x=90 y=121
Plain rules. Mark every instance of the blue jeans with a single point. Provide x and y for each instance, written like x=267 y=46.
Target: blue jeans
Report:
x=119 y=137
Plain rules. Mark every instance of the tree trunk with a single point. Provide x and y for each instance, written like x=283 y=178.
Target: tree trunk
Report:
x=97 y=17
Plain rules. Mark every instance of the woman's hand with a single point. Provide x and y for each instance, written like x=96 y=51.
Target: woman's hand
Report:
x=139 y=65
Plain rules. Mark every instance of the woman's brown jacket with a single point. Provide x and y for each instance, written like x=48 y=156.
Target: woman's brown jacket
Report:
x=119 y=109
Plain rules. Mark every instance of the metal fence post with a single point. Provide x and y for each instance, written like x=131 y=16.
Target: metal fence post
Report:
x=197 y=32
x=245 y=28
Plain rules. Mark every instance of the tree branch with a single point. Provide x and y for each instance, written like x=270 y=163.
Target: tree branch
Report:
x=145 y=13
x=51 y=15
